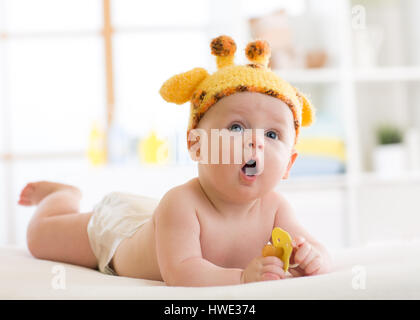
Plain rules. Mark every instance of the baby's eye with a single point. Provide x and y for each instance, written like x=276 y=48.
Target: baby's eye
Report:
x=236 y=127
x=271 y=134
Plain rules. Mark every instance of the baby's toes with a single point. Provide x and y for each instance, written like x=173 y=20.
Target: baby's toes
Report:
x=24 y=202
x=26 y=194
x=27 y=190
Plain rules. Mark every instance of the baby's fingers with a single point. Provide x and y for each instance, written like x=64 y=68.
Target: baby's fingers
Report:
x=298 y=241
x=270 y=271
x=312 y=254
x=272 y=260
x=302 y=253
x=313 y=266
x=269 y=276
x=296 y=272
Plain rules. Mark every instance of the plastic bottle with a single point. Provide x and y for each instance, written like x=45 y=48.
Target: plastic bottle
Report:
x=96 y=148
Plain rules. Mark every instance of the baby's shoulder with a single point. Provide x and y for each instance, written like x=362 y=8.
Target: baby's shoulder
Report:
x=283 y=209
x=182 y=196
x=177 y=210
x=274 y=198
x=277 y=201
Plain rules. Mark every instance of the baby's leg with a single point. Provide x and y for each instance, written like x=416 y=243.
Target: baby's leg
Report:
x=57 y=231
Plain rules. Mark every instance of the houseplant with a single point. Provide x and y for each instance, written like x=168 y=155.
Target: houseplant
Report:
x=389 y=153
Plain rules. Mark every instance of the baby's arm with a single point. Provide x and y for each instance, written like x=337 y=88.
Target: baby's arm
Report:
x=312 y=257
x=178 y=246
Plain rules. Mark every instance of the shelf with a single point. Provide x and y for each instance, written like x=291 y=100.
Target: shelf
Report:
x=322 y=75
x=16 y=156
x=340 y=181
x=315 y=182
x=374 y=179
x=388 y=74
x=332 y=75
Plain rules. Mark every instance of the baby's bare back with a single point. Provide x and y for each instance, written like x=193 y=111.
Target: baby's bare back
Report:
x=227 y=240
x=135 y=257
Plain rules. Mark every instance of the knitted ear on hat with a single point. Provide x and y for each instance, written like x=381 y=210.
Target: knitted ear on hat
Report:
x=180 y=88
x=308 y=111
x=258 y=52
x=224 y=48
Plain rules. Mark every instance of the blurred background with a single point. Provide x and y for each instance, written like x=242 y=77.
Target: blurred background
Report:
x=79 y=103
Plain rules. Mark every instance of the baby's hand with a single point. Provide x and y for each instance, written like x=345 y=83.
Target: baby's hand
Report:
x=263 y=269
x=308 y=258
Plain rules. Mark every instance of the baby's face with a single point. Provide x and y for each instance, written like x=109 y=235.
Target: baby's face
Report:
x=269 y=151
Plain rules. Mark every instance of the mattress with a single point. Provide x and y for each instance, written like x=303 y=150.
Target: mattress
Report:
x=381 y=271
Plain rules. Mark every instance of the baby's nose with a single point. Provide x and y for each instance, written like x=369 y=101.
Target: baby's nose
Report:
x=255 y=142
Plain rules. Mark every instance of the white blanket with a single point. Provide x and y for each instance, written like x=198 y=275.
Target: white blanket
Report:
x=386 y=271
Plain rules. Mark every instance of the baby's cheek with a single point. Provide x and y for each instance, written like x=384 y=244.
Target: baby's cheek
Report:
x=275 y=162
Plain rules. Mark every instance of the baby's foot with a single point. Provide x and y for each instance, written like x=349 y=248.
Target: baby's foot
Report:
x=34 y=192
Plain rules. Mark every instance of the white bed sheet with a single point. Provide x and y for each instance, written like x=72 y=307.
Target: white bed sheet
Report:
x=385 y=271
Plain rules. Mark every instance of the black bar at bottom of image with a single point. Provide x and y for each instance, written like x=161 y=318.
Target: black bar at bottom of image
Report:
x=209 y=309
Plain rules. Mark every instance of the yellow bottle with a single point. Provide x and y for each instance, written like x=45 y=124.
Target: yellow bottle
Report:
x=153 y=149
x=96 y=148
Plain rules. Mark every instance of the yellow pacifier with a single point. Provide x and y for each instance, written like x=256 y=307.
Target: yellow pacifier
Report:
x=281 y=247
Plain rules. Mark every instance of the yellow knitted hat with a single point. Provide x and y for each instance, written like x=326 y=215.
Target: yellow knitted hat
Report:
x=204 y=90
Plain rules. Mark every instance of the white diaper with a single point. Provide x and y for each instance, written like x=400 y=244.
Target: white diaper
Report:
x=115 y=218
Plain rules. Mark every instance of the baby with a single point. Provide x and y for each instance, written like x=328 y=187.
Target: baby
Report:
x=211 y=230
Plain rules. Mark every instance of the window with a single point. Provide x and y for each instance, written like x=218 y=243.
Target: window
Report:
x=53 y=85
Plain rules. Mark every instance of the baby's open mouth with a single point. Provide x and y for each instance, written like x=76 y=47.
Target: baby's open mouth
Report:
x=250 y=168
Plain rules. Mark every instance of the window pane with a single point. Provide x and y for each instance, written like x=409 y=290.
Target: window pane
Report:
x=56 y=90
x=140 y=72
x=52 y=15
x=159 y=12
